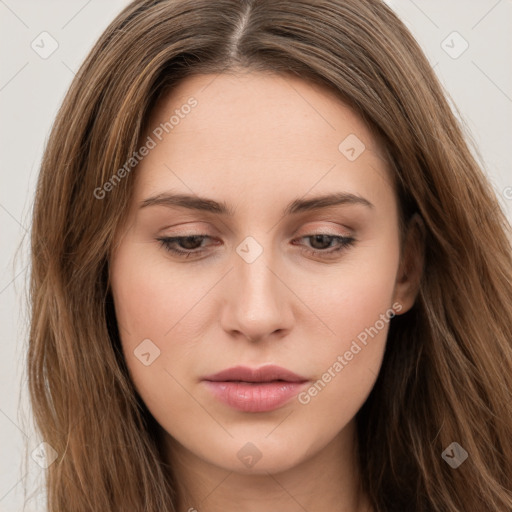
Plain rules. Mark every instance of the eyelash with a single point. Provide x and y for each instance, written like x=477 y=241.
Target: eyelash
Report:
x=344 y=243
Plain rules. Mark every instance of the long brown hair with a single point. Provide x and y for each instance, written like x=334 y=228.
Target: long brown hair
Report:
x=447 y=370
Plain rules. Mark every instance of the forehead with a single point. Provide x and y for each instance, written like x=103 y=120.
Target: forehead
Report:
x=258 y=133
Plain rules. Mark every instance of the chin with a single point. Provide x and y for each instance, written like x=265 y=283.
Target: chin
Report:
x=260 y=455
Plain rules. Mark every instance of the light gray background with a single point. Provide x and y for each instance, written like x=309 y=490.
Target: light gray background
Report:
x=479 y=81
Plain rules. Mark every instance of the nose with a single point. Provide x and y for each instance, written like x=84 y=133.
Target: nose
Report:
x=257 y=301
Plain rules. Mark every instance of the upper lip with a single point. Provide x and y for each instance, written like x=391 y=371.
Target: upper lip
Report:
x=268 y=373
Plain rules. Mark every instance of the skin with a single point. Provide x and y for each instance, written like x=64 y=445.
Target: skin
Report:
x=258 y=141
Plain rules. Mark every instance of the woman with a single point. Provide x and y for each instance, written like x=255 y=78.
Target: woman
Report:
x=267 y=272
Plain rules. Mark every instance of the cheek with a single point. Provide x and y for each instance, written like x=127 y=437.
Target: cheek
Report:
x=351 y=297
x=355 y=303
x=154 y=300
x=149 y=303
x=150 y=299
x=345 y=370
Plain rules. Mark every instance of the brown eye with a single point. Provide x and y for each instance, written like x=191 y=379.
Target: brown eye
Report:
x=190 y=242
x=321 y=241
x=326 y=245
x=184 y=245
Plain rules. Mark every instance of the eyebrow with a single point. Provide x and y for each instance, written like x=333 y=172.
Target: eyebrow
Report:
x=194 y=202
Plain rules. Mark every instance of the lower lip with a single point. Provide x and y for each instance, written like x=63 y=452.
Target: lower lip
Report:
x=257 y=397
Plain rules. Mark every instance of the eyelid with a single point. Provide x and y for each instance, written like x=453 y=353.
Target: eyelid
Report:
x=308 y=230
x=319 y=227
x=343 y=243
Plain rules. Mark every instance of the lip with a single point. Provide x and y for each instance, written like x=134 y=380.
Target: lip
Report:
x=267 y=373
x=255 y=389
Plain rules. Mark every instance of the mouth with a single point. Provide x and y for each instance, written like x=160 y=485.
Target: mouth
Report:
x=255 y=390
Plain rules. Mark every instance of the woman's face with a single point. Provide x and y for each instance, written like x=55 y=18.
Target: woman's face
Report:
x=290 y=257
